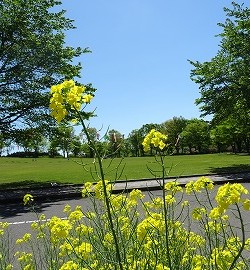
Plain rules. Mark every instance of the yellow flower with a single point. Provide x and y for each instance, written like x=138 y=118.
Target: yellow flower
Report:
x=4 y=225
x=28 y=198
x=58 y=110
x=169 y=199
x=67 y=98
x=73 y=98
x=70 y=265
x=205 y=182
x=189 y=187
x=108 y=239
x=68 y=84
x=87 y=189
x=229 y=194
x=29 y=267
x=65 y=249
x=198 y=262
x=24 y=257
x=59 y=228
x=87 y=98
x=34 y=225
x=161 y=267
x=84 y=250
x=154 y=138
x=246 y=204
x=214 y=226
x=76 y=215
x=67 y=208
x=173 y=186
x=222 y=258
x=99 y=189
x=199 y=184
x=9 y=267
x=216 y=213
x=25 y=238
x=195 y=240
x=42 y=217
x=136 y=194
x=84 y=230
x=185 y=203
x=198 y=212
x=247 y=244
x=118 y=202
x=56 y=88
x=162 y=145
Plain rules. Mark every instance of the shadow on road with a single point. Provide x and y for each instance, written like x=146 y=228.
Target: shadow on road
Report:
x=12 y=210
x=16 y=209
x=237 y=168
x=30 y=184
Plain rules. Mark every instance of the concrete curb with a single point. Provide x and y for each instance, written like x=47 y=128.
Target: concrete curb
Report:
x=58 y=192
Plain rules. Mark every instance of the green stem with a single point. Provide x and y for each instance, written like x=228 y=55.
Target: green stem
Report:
x=243 y=239
x=106 y=196
x=165 y=213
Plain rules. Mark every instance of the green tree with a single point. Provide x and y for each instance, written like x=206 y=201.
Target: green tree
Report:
x=62 y=139
x=31 y=139
x=2 y=143
x=6 y=143
x=221 y=136
x=76 y=146
x=94 y=137
x=33 y=56
x=134 y=141
x=196 y=135
x=234 y=130
x=53 y=148
x=239 y=129
x=173 y=129
x=225 y=80
x=116 y=140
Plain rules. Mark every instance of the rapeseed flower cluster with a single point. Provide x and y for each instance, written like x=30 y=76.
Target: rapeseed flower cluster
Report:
x=199 y=185
x=230 y=194
x=154 y=139
x=28 y=198
x=97 y=189
x=67 y=97
x=148 y=238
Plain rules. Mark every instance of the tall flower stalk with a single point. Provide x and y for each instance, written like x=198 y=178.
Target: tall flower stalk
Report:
x=67 y=100
x=157 y=140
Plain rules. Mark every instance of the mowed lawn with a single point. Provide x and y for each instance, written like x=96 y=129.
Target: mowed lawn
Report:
x=28 y=171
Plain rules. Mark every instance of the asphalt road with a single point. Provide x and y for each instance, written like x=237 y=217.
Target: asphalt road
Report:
x=20 y=217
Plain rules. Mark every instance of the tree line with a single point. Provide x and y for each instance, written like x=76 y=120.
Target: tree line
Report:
x=194 y=136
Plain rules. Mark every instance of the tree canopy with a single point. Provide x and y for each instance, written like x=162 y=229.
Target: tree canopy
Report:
x=33 y=56
x=224 y=82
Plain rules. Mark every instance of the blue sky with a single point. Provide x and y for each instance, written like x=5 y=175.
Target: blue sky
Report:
x=139 y=60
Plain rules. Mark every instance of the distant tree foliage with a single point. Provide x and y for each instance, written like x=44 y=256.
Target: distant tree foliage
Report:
x=62 y=139
x=33 y=56
x=173 y=128
x=224 y=82
x=196 y=136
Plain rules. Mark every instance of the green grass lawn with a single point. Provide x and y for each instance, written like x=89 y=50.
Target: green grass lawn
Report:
x=27 y=171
